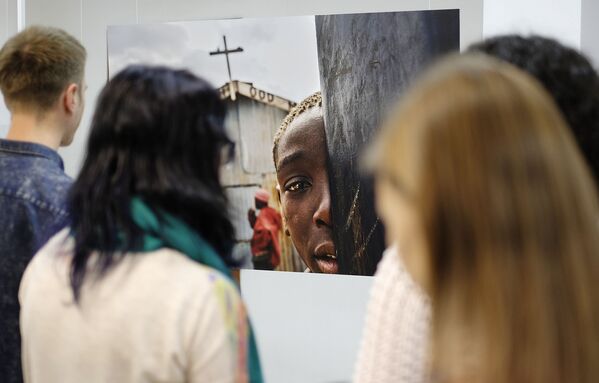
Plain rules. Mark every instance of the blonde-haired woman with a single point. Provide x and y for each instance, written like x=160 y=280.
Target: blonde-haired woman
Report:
x=496 y=217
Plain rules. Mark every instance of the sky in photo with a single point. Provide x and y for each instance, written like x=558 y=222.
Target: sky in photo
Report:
x=280 y=54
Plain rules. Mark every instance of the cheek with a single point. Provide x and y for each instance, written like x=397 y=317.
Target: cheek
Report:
x=295 y=219
x=299 y=224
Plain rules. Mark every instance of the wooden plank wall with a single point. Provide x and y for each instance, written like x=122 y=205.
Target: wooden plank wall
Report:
x=366 y=62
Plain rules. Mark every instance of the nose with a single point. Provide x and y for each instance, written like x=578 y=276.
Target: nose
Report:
x=322 y=215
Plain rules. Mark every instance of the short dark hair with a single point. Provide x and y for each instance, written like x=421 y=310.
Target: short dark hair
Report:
x=314 y=100
x=157 y=134
x=567 y=75
x=37 y=64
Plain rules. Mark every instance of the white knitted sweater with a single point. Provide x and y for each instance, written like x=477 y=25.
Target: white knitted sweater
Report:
x=395 y=339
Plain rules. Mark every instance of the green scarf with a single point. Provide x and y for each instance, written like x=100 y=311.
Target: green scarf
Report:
x=168 y=231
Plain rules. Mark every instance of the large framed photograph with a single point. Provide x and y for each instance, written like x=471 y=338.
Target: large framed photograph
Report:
x=317 y=213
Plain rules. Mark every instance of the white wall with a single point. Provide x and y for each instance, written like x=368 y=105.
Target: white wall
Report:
x=572 y=22
x=308 y=326
x=589 y=41
x=88 y=20
x=8 y=27
x=560 y=19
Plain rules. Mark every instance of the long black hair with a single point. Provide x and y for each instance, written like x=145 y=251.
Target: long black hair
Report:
x=157 y=134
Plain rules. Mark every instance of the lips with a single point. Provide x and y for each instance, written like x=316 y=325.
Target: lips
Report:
x=325 y=258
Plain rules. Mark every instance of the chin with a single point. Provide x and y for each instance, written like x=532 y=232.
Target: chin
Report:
x=325 y=266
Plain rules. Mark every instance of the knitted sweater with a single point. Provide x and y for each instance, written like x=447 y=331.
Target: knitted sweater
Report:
x=395 y=338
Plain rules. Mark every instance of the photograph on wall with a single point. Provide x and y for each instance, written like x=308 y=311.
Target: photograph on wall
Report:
x=262 y=68
x=315 y=87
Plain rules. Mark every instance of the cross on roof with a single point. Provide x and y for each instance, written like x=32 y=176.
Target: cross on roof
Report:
x=226 y=52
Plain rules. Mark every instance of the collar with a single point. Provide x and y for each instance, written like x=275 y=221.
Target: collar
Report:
x=31 y=149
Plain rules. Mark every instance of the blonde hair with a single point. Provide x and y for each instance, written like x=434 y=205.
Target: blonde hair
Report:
x=37 y=64
x=509 y=215
x=314 y=100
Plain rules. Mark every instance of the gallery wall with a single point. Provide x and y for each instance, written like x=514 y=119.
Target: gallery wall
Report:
x=560 y=19
x=8 y=27
x=88 y=20
x=316 y=338
x=589 y=30
x=571 y=21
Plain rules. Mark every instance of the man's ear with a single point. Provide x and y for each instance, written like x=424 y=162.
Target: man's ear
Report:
x=71 y=98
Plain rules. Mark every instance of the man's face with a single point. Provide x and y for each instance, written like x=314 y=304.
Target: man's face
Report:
x=304 y=186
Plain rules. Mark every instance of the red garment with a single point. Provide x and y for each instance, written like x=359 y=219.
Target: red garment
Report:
x=266 y=235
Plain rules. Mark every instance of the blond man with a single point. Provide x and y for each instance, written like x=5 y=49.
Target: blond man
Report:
x=41 y=79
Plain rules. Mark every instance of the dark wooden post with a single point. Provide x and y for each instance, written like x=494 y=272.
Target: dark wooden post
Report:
x=366 y=62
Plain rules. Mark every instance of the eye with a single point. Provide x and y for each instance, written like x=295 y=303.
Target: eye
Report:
x=297 y=185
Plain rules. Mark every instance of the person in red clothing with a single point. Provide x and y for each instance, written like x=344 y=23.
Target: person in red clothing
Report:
x=266 y=250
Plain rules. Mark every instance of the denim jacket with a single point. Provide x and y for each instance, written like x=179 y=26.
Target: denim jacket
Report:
x=33 y=192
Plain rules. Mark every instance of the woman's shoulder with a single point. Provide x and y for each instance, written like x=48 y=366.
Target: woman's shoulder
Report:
x=162 y=272
x=173 y=261
x=184 y=277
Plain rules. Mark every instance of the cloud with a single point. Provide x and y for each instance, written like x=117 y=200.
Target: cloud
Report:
x=148 y=44
x=279 y=53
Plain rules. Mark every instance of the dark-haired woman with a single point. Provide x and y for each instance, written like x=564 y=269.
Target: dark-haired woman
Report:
x=138 y=289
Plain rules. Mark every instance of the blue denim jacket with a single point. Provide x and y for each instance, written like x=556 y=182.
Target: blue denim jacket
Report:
x=33 y=192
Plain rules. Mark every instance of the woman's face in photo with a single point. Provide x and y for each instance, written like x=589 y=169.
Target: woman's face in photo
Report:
x=304 y=186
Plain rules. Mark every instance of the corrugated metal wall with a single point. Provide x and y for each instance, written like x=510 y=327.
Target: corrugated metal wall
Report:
x=252 y=125
x=259 y=123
